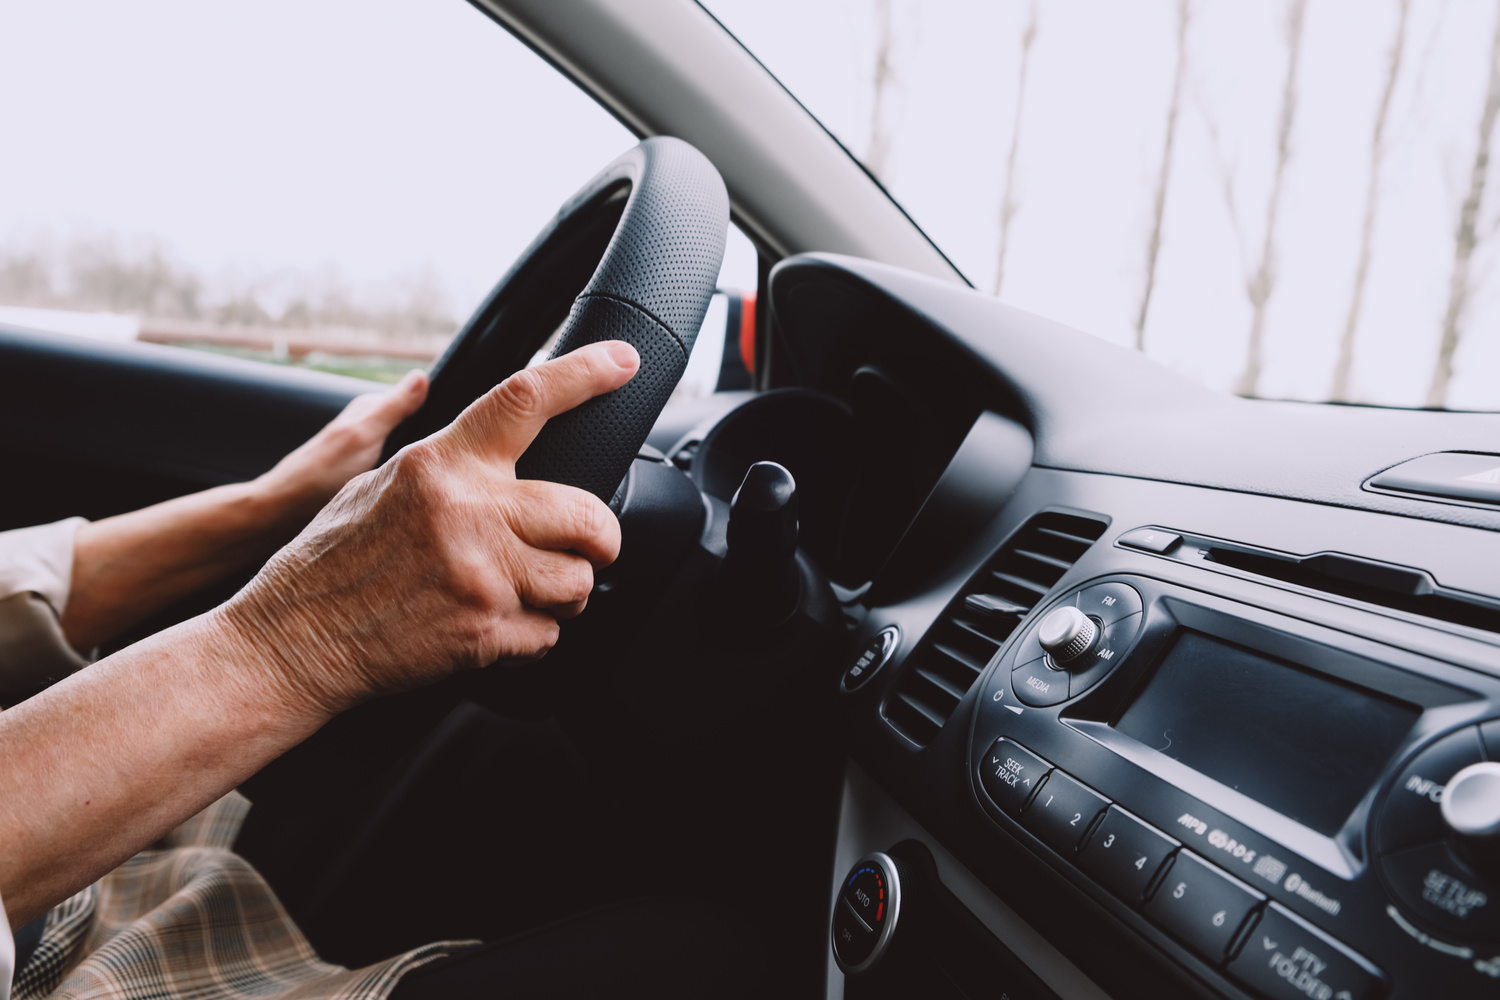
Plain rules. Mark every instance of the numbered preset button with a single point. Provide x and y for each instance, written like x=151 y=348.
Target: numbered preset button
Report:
x=1201 y=906
x=1125 y=854
x=1062 y=812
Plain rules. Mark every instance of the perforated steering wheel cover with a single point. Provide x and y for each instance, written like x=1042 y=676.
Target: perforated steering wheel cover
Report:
x=651 y=289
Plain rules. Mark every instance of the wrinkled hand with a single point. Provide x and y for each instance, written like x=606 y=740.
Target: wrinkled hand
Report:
x=441 y=560
x=308 y=477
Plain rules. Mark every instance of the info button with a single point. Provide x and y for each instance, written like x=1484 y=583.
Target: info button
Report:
x=1285 y=958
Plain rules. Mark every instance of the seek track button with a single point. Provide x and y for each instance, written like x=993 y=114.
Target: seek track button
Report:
x=1285 y=959
x=1011 y=773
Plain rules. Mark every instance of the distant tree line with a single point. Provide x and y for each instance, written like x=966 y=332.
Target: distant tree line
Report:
x=142 y=278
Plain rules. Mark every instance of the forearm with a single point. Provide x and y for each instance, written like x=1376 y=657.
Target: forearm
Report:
x=128 y=567
x=104 y=763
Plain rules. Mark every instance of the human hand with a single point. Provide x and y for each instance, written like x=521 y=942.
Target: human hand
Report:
x=307 y=478
x=441 y=560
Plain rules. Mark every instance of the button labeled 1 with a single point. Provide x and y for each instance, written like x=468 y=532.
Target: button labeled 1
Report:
x=1062 y=812
x=1201 y=906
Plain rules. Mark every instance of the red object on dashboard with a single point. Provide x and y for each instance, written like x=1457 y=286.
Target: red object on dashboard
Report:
x=747 y=330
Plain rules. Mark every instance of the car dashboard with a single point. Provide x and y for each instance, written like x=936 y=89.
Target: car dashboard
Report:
x=1149 y=691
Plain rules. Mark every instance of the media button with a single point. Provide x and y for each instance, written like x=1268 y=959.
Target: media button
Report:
x=1062 y=812
x=1125 y=854
x=1010 y=774
x=1286 y=958
x=1412 y=813
x=1039 y=685
x=1201 y=906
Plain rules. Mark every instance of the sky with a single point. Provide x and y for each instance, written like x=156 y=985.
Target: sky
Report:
x=382 y=138
x=1090 y=148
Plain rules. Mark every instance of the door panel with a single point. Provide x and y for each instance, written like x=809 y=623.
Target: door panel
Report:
x=94 y=428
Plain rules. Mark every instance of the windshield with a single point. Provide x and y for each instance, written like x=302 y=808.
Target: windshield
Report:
x=1290 y=199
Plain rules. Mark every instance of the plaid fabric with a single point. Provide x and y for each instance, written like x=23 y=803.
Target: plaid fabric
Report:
x=191 y=919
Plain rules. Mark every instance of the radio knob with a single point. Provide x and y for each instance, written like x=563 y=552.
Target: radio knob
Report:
x=1471 y=801
x=1470 y=804
x=1067 y=634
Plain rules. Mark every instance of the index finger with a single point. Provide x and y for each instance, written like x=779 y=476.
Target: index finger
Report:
x=504 y=421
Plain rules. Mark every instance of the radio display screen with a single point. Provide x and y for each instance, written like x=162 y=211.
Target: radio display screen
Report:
x=1301 y=743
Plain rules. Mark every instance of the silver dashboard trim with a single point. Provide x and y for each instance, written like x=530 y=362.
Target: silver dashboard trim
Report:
x=871 y=820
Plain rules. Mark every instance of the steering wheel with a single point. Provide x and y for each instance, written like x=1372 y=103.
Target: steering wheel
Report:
x=633 y=256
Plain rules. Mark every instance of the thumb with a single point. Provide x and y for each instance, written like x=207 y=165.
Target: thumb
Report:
x=504 y=421
x=402 y=401
x=380 y=412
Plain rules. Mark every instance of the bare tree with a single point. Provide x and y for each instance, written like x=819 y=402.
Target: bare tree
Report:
x=1345 y=363
x=1008 y=200
x=885 y=75
x=1262 y=282
x=1467 y=238
x=1164 y=175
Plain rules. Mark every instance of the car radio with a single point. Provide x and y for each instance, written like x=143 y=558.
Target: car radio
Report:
x=1307 y=812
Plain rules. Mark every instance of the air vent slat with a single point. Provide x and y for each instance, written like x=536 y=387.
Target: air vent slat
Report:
x=954 y=654
x=939 y=682
x=1062 y=564
x=1021 y=582
x=976 y=630
x=978 y=621
x=929 y=714
x=1075 y=539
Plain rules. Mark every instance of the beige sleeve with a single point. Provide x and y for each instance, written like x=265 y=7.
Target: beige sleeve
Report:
x=36 y=569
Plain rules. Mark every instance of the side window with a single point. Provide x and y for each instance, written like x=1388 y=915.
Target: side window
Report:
x=323 y=183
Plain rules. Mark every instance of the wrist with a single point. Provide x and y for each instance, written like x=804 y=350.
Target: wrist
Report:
x=270 y=658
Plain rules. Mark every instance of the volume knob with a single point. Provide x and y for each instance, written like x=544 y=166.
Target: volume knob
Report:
x=1066 y=634
x=1471 y=801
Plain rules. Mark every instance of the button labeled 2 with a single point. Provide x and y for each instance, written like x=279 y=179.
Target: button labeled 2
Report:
x=1062 y=812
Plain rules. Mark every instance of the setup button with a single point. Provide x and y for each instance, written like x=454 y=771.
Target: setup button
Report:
x=1435 y=887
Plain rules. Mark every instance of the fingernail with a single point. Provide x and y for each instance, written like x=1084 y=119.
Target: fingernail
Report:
x=623 y=354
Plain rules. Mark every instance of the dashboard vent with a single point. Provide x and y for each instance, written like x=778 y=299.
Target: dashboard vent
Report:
x=972 y=628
